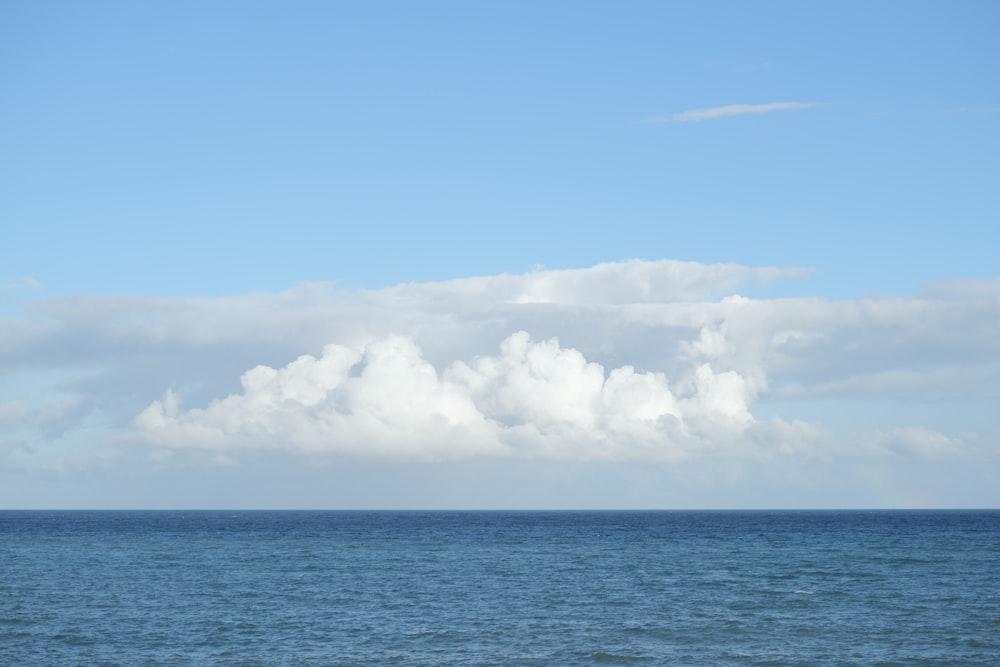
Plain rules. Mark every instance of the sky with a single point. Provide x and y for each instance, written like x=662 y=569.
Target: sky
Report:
x=517 y=255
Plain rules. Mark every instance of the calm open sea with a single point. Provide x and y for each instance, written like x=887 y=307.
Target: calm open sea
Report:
x=500 y=588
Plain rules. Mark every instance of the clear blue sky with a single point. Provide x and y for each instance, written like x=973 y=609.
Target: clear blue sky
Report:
x=213 y=148
x=173 y=151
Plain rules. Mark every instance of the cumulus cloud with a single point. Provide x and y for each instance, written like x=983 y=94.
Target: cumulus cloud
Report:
x=530 y=400
x=635 y=360
x=711 y=113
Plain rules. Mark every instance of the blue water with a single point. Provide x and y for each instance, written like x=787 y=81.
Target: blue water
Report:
x=500 y=588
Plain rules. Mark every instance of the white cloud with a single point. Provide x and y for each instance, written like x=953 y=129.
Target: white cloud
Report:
x=25 y=283
x=14 y=411
x=628 y=282
x=532 y=400
x=916 y=441
x=51 y=416
x=637 y=361
x=730 y=110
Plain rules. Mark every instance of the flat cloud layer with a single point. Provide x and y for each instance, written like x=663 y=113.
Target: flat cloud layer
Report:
x=632 y=361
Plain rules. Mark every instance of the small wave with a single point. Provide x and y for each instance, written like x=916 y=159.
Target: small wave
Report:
x=601 y=656
x=802 y=592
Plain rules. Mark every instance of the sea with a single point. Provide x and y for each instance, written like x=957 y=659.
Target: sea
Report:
x=499 y=588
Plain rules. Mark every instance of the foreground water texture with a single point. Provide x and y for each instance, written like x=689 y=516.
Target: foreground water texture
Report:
x=499 y=588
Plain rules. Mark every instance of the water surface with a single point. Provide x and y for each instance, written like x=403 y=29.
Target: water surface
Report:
x=499 y=588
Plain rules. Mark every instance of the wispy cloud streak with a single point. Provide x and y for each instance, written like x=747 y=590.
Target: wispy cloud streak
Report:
x=730 y=110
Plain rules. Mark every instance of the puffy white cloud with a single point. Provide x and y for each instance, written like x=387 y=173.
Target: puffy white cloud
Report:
x=532 y=400
x=632 y=360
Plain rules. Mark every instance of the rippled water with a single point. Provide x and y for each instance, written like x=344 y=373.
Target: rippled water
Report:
x=498 y=588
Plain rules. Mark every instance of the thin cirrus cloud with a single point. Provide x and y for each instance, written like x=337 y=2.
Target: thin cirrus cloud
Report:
x=712 y=113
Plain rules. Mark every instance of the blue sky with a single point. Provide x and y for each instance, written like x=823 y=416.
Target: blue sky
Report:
x=192 y=190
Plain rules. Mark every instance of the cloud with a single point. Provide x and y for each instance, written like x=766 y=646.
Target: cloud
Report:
x=531 y=400
x=52 y=417
x=25 y=283
x=632 y=281
x=730 y=110
x=638 y=360
x=915 y=441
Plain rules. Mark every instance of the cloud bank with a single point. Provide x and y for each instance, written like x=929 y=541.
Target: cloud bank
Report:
x=663 y=362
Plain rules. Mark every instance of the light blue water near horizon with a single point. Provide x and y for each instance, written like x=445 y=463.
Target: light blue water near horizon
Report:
x=499 y=588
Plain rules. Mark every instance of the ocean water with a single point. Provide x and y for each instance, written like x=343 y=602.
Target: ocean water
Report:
x=500 y=588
